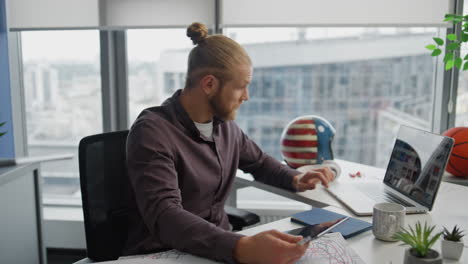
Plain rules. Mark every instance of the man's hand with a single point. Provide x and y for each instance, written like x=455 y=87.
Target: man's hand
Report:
x=269 y=247
x=309 y=180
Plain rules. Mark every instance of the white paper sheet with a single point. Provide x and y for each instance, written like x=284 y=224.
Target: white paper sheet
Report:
x=167 y=257
x=330 y=249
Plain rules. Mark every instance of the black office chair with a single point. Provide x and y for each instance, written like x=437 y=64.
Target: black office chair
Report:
x=104 y=190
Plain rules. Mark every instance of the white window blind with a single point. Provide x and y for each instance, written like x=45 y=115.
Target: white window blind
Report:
x=35 y=14
x=238 y=13
x=71 y=14
x=150 y=13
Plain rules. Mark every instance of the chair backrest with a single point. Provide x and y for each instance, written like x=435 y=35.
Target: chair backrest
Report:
x=104 y=191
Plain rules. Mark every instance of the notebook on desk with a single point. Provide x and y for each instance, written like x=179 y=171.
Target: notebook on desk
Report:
x=348 y=229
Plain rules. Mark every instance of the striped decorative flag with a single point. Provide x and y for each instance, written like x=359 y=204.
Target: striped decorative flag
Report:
x=299 y=144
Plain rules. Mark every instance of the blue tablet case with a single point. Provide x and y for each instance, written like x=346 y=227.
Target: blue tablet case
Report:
x=348 y=229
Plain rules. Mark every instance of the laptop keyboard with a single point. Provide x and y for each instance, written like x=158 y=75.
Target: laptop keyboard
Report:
x=379 y=195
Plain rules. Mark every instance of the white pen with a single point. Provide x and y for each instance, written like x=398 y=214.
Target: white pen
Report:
x=309 y=238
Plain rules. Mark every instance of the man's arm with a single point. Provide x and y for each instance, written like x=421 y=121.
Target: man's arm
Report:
x=263 y=167
x=268 y=170
x=154 y=180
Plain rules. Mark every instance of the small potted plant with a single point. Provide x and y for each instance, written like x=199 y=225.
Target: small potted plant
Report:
x=421 y=241
x=452 y=245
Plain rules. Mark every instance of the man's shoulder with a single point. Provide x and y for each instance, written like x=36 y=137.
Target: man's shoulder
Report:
x=152 y=121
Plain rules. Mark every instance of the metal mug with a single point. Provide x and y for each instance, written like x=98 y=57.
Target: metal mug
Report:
x=387 y=220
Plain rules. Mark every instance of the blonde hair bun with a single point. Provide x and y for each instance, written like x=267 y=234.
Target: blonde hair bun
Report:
x=197 y=32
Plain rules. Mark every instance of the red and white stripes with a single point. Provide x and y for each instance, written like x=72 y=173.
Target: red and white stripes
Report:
x=299 y=144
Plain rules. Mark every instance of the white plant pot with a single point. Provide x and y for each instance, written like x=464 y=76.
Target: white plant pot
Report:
x=432 y=258
x=451 y=249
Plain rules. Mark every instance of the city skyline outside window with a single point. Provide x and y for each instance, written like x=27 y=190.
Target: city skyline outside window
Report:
x=62 y=87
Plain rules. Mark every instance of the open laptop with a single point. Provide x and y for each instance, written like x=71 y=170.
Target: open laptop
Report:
x=412 y=179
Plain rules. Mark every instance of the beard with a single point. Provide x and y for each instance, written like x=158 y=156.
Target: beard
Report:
x=220 y=109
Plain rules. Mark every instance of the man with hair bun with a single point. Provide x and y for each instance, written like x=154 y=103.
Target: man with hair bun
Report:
x=182 y=159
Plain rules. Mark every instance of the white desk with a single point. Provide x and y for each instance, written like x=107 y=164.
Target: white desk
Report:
x=449 y=209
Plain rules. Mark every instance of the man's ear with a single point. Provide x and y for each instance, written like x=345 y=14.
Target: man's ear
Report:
x=209 y=84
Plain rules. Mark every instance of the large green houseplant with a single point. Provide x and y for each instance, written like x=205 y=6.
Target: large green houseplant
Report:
x=453 y=43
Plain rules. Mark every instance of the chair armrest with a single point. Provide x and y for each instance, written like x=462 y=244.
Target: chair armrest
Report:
x=240 y=218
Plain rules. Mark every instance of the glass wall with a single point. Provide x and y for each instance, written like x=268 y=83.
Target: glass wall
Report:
x=461 y=111
x=157 y=63
x=62 y=86
x=365 y=81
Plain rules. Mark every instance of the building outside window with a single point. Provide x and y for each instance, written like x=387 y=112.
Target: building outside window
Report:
x=150 y=82
x=62 y=86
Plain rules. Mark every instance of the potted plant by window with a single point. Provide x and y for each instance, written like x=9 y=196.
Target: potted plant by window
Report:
x=421 y=241
x=452 y=244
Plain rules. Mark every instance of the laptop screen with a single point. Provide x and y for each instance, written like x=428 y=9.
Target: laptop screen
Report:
x=417 y=164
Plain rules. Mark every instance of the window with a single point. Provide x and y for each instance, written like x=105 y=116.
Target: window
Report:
x=157 y=62
x=461 y=117
x=62 y=86
x=461 y=111
x=365 y=81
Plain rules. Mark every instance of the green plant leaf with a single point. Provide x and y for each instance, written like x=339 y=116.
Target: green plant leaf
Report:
x=464 y=37
x=458 y=62
x=439 y=41
x=449 y=17
x=453 y=46
x=456 y=234
x=2 y=133
x=465 y=66
x=431 y=47
x=436 y=52
x=448 y=56
x=452 y=37
x=433 y=240
x=449 y=64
